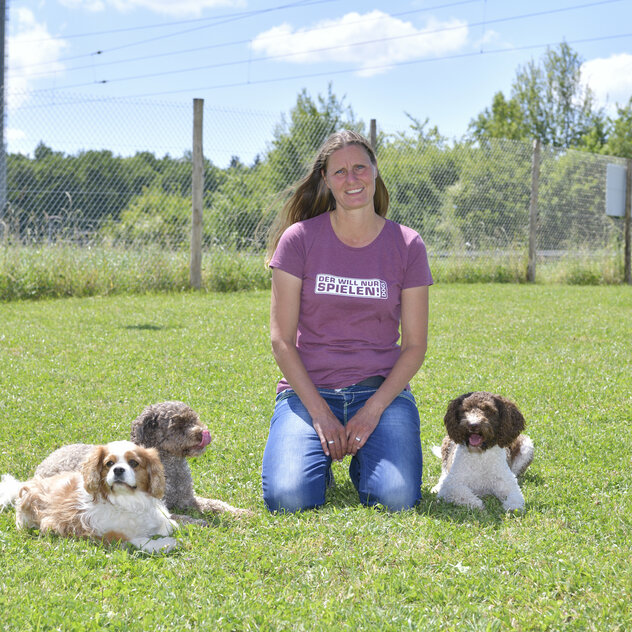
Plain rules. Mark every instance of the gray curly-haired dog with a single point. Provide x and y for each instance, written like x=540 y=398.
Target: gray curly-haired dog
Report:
x=175 y=430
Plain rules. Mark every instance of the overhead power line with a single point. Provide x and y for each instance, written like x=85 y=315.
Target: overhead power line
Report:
x=216 y=22
x=345 y=45
x=327 y=73
x=381 y=66
x=216 y=19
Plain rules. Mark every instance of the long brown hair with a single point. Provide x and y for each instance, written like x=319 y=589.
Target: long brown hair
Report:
x=310 y=196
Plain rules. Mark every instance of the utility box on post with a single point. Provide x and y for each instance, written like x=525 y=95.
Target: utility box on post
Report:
x=615 y=190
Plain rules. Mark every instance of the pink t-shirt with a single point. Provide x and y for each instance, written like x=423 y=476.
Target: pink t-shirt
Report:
x=348 y=325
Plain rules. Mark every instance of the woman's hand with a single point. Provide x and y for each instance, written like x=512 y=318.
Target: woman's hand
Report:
x=332 y=434
x=360 y=427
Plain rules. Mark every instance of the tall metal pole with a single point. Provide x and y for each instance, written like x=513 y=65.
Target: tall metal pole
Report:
x=3 y=155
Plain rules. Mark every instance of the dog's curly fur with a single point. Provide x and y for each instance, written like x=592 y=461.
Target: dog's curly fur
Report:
x=484 y=451
x=175 y=430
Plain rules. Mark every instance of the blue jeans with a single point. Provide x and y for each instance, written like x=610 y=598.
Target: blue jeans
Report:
x=386 y=470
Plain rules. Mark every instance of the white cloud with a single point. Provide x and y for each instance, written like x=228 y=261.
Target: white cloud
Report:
x=388 y=41
x=13 y=134
x=88 y=5
x=165 y=7
x=610 y=79
x=31 y=50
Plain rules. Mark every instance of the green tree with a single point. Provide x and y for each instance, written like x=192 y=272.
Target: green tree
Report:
x=570 y=189
x=417 y=167
x=558 y=109
x=611 y=135
x=548 y=101
x=235 y=213
x=296 y=140
x=489 y=205
x=39 y=193
x=104 y=185
x=596 y=137
x=505 y=119
x=619 y=141
x=152 y=218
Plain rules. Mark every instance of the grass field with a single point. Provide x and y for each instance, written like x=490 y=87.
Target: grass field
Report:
x=82 y=369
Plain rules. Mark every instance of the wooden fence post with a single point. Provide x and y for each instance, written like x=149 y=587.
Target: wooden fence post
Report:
x=197 y=186
x=373 y=133
x=533 y=210
x=627 y=273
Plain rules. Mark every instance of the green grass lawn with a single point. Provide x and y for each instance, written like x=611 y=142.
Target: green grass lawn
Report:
x=81 y=369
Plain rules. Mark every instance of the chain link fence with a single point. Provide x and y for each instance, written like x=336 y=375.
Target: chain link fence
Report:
x=130 y=192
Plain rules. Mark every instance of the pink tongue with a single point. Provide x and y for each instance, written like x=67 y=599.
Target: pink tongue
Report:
x=206 y=439
x=475 y=440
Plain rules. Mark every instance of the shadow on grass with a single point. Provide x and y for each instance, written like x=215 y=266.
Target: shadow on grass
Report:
x=492 y=514
x=146 y=327
x=344 y=495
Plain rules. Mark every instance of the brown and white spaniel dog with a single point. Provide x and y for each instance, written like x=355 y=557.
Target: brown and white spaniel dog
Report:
x=114 y=497
x=484 y=451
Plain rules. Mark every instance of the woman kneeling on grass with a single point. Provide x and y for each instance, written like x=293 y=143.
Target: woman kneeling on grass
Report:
x=343 y=280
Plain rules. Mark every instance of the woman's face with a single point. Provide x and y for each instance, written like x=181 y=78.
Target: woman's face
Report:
x=350 y=176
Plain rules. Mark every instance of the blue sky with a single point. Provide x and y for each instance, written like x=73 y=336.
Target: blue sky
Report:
x=437 y=59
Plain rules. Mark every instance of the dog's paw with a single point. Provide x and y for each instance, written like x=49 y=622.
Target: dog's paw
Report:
x=469 y=501
x=159 y=545
x=513 y=507
x=474 y=504
x=242 y=512
x=212 y=505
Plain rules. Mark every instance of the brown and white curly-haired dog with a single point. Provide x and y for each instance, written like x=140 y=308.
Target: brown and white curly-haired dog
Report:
x=484 y=451
x=115 y=498
x=175 y=430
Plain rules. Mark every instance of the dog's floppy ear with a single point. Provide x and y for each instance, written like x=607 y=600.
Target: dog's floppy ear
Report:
x=511 y=421
x=451 y=419
x=155 y=471
x=91 y=470
x=144 y=428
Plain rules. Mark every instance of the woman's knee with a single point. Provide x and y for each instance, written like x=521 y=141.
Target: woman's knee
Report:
x=395 y=497
x=395 y=493
x=294 y=466
x=292 y=482
x=290 y=496
x=393 y=481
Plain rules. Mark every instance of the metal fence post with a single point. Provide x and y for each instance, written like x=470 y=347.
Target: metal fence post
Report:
x=533 y=210
x=3 y=153
x=627 y=273
x=197 y=194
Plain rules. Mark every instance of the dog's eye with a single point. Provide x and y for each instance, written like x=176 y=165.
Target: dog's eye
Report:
x=133 y=464
x=109 y=463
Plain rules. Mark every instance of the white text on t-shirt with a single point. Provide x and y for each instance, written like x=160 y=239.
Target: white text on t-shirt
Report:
x=343 y=286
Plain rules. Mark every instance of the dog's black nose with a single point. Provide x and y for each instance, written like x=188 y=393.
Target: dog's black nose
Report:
x=119 y=471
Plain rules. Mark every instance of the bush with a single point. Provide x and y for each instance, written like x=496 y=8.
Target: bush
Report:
x=156 y=217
